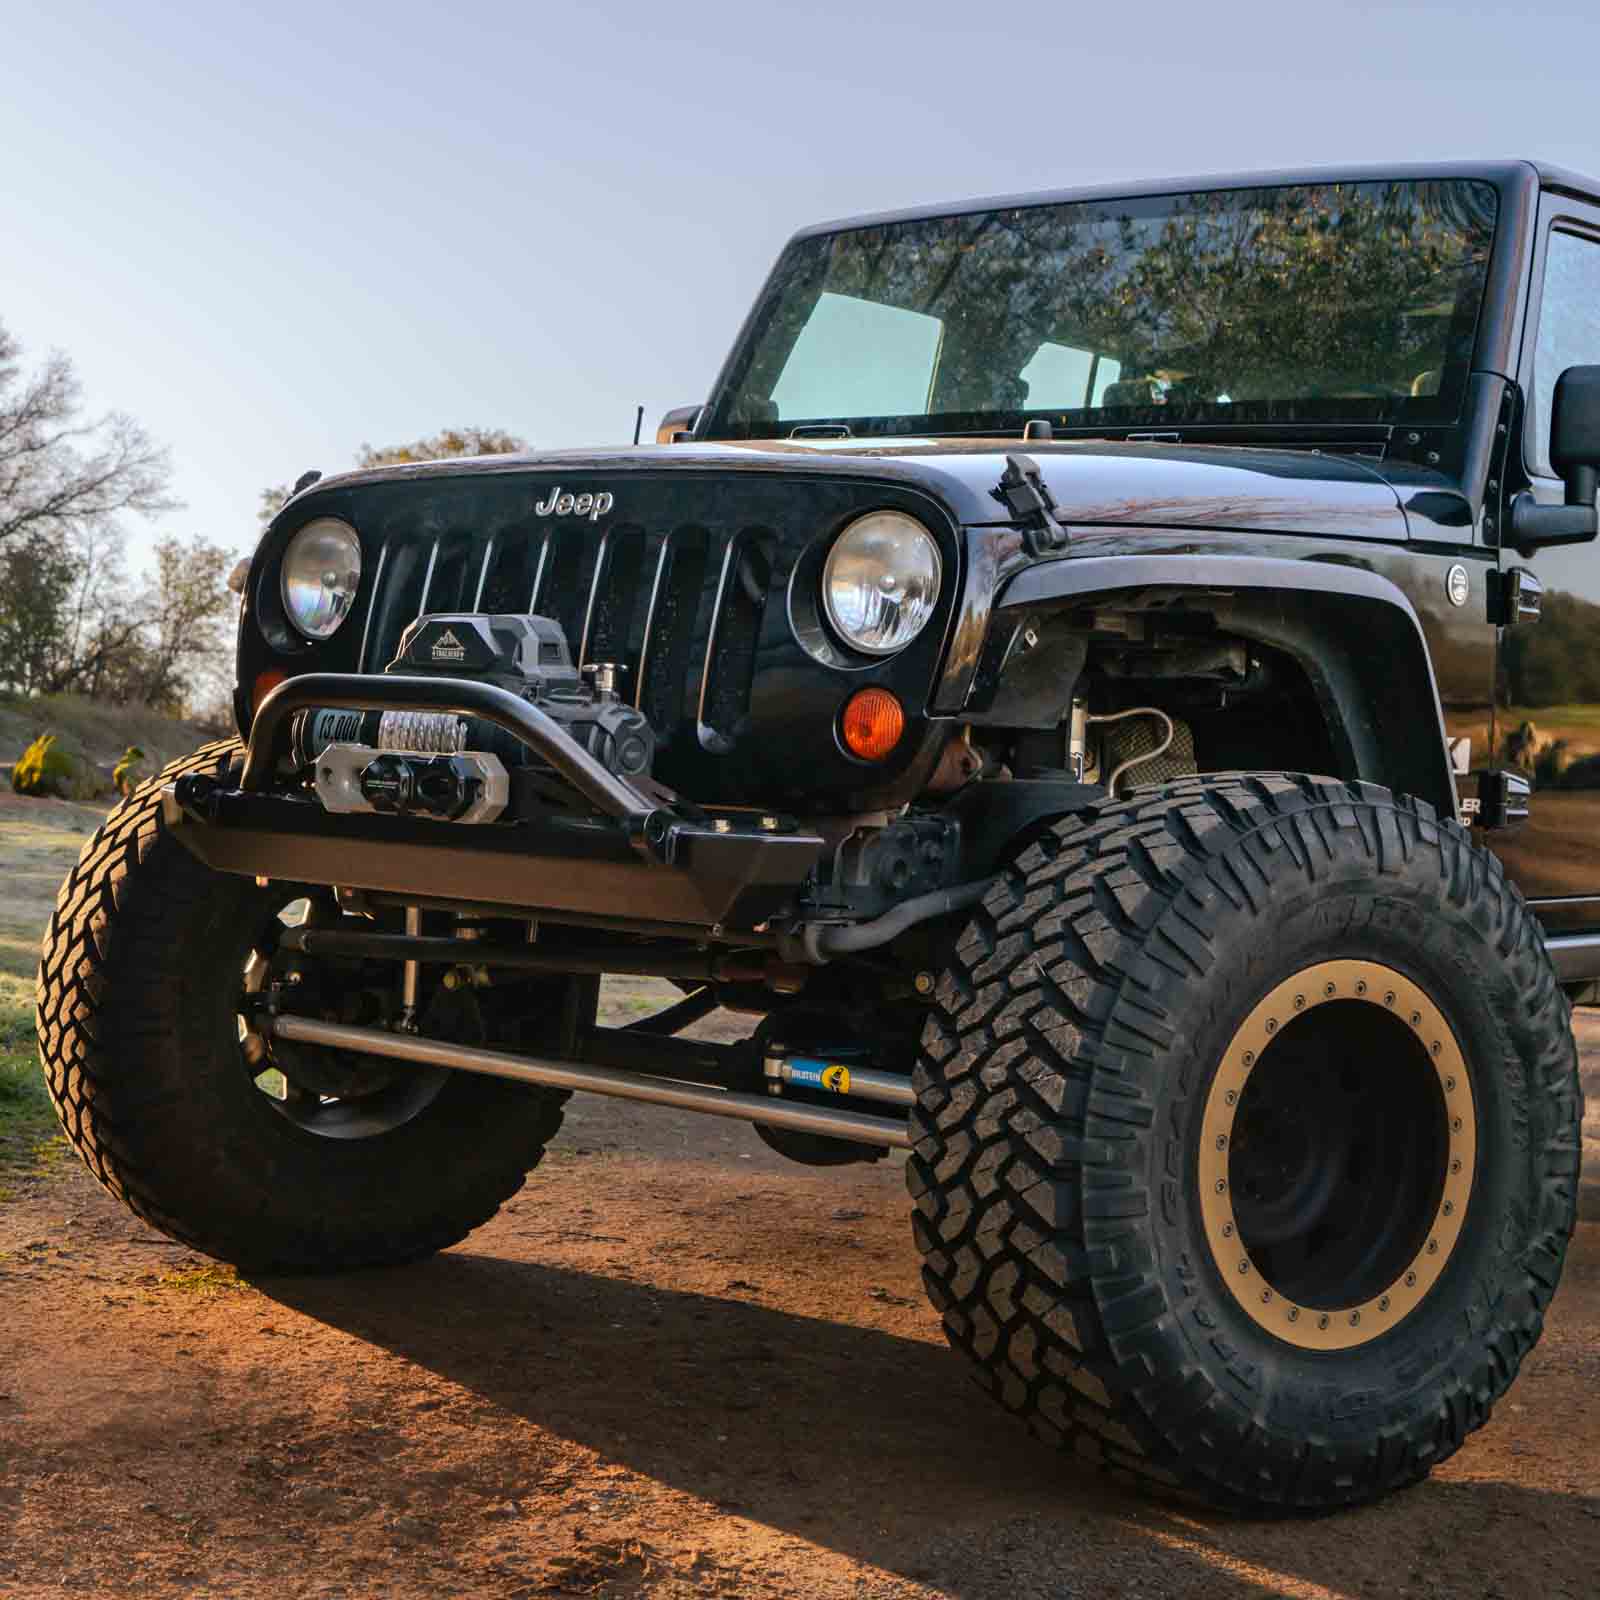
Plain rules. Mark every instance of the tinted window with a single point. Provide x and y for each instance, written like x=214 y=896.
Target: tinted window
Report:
x=1318 y=301
x=1569 y=327
x=862 y=354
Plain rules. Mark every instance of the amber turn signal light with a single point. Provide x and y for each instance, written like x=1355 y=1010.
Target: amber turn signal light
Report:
x=872 y=723
x=265 y=683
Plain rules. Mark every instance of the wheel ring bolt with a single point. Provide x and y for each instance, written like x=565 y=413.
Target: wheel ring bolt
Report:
x=1231 y=1097
x=1272 y=1024
x=1322 y=1322
x=1244 y=1267
x=1329 y=990
x=1416 y=1019
x=1435 y=1047
x=1266 y=1297
x=1449 y=1208
x=1222 y=1141
x=1383 y=1304
x=1455 y=1166
x=1449 y=1083
x=1294 y=1313
x=1227 y=1230
x=1411 y=1280
x=1355 y=1319
x=1361 y=985
x=1388 y=999
x=1299 y=1002
x=1433 y=1247
x=1222 y=1185
x=1455 y=1125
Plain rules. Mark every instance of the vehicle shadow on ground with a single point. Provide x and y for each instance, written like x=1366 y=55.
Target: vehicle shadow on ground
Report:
x=867 y=1442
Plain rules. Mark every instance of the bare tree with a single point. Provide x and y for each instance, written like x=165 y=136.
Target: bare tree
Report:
x=61 y=472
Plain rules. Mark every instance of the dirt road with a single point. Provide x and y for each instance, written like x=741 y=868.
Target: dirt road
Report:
x=675 y=1366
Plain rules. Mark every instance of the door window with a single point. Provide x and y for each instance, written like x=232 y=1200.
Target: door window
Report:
x=1060 y=377
x=1569 y=327
x=857 y=358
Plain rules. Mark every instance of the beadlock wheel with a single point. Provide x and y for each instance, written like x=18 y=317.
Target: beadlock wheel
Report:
x=1246 y=1139
x=1336 y=1155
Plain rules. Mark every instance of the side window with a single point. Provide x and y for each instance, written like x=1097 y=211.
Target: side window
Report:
x=1058 y=375
x=1569 y=327
x=859 y=358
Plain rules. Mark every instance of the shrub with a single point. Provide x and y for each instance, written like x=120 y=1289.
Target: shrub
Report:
x=129 y=771
x=46 y=769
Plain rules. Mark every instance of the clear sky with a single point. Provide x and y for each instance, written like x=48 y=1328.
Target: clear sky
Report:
x=274 y=232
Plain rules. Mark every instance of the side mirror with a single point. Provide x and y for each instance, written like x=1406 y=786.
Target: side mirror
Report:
x=1575 y=454
x=679 y=423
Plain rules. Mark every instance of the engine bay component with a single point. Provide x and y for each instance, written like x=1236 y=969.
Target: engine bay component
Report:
x=1129 y=741
x=1142 y=744
x=471 y=786
x=1139 y=758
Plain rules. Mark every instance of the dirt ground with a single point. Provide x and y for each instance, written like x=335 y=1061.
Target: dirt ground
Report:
x=674 y=1366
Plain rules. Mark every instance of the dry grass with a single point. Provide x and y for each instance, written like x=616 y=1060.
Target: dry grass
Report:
x=95 y=730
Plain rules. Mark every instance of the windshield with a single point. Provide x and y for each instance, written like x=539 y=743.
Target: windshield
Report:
x=1320 y=302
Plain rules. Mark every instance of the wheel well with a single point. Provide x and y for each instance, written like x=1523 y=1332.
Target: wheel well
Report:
x=1327 y=683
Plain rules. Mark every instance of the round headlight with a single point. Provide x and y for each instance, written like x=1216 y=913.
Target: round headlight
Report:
x=321 y=569
x=881 y=582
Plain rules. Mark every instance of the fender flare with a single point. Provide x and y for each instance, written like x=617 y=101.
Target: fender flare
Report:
x=1352 y=631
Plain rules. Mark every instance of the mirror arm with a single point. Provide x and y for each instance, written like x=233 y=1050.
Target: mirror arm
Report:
x=1534 y=526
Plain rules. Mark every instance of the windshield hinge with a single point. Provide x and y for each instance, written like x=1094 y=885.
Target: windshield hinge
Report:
x=1023 y=491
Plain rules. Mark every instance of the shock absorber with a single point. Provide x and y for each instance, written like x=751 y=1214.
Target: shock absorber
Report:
x=835 y=1077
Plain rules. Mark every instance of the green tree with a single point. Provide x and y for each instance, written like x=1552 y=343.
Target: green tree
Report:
x=450 y=444
x=184 y=636
x=37 y=577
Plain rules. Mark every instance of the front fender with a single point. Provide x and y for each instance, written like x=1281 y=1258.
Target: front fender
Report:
x=1352 y=631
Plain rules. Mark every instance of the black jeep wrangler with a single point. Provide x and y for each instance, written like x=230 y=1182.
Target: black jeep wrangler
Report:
x=1073 y=686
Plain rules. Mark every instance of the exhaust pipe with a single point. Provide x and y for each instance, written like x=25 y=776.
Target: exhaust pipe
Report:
x=850 y=1125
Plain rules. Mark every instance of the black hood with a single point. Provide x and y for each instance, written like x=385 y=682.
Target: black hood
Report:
x=1094 y=483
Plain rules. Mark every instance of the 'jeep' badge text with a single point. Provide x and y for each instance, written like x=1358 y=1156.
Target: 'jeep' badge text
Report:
x=592 y=506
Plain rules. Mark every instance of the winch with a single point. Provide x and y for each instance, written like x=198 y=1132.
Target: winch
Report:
x=460 y=768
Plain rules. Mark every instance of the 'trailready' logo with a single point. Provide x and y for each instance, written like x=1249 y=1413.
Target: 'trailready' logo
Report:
x=449 y=648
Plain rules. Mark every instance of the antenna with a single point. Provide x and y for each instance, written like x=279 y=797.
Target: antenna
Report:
x=638 y=423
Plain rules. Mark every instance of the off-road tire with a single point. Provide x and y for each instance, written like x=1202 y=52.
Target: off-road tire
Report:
x=138 y=1038
x=1060 y=1089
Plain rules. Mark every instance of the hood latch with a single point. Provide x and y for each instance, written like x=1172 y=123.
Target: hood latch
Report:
x=1023 y=491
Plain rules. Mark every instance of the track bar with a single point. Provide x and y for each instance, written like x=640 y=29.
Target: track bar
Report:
x=831 y=1124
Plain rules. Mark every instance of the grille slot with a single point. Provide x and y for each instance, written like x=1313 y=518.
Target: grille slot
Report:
x=565 y=579
x=615 y=593
x=731 y=640
x=668 y=645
